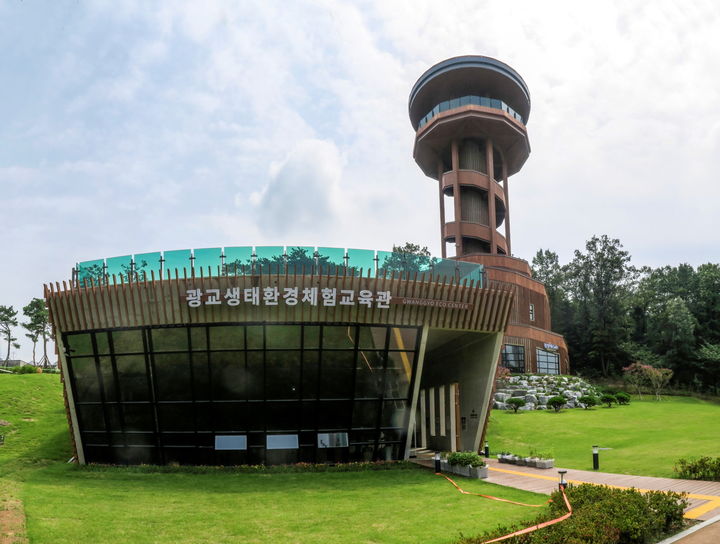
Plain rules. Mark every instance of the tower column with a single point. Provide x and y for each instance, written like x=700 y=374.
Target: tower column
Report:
x=489 y=160
x=459 y=249
x=507 y=207
x=442 y=210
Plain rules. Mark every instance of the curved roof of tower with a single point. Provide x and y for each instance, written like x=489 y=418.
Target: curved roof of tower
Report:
x=468 y=75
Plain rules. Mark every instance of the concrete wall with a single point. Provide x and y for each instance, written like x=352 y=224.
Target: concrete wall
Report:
x=470 y=359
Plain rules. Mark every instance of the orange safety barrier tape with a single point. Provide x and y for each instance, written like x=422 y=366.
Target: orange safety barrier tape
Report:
x=461 y=490
x=538 y=526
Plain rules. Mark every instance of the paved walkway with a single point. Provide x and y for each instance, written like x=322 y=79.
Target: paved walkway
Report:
x=704 y=497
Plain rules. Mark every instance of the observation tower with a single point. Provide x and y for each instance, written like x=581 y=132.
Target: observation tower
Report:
x=470 y=114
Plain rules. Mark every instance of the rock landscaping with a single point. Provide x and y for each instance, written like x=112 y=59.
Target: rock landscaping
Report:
x=536 y=390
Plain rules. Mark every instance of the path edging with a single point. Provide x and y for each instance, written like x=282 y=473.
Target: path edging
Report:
x=691 y=530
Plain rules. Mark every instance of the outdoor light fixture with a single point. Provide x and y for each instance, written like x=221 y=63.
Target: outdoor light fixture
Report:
x=562 y=484
x=487 y=450
x=596 y=457
x=437 y=463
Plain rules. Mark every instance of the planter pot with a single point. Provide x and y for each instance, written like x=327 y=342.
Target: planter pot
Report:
x=545 y=463
x=444 y=466
x=462 y=471
x=479 y=472
x=519 y=461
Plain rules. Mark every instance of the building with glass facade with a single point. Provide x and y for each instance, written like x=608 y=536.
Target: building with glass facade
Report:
x=234 y=355
x=469 y=115
x=275 y=355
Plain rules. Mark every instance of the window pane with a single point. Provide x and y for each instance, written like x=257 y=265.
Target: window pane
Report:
x=332 y=440
x=231 y=442
x=255 y=337
x=171 y=339
x=128 y=341
x=227 y=337
x=312 y=336
x=372 y=337
x=282 y=374
x=310 y=374
x=79 y=344
x=102 y=343
x=176 y=417
x=403 y=338
x=255 y=376
x=365 y=414
x=369 y=374
x=336 y=374
x=228 y=374
x=138 y=417
x=173 y=376
x=282 y=336
x=87 y=387
x=398 y=373
x=338 y=337
x=198 y=338
x=394 y=413
x=282 y=416
x=230 y=416
x=111 y=393
x=200 y=376
x=133 y=378
x=91 y=417
x=282 y=441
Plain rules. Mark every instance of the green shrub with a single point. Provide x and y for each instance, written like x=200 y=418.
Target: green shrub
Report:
x=25 y=369
x=704 y=468
x=359 y=466
x=602 y=515
x=622 y=398
x=465 y=459
x=515 y=403
x=589 y=401
x=557 y=402
x=608 y=399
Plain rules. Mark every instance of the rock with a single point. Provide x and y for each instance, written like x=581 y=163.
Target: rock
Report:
x=502 y=397
x=542 y=399
x=541 y=407
x=531 y=399
x=530 y=406
x=500 y=406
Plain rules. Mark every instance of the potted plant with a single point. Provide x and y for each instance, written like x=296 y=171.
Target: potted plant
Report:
x=468 y=464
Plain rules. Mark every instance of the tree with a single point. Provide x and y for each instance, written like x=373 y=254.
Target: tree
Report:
x=672 y=334
x=8 y=320
x=38 y=325
x=546 y=268
x=408 y=258
x=599 y=281
x=634 y=375
x=608 y=399
x=658 y=378
x=515 y=403
x=557 y=402
x=588 y=400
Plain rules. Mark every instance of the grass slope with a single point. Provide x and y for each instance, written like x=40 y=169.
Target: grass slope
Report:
x=69 y=504
x=647 y=436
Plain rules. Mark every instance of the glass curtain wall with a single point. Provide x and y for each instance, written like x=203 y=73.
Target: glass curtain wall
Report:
x=242 y=393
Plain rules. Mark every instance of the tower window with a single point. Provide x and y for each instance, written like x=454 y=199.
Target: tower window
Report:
x=532 y=312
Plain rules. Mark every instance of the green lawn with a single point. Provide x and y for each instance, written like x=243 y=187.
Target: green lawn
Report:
x=69 y=504
x=647 y=436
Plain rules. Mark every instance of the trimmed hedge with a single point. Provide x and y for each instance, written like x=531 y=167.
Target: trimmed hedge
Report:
x=364 y=466
x=704 y=468
x=601 y=515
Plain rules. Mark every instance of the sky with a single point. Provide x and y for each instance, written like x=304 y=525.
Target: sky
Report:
x=130 y=126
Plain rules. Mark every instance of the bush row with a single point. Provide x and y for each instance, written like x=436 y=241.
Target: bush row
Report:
x=704 y=468
x=465 y=459
x=601 y=515
x=365 y=466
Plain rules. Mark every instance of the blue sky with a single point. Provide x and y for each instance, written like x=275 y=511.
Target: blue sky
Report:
x=135 y=126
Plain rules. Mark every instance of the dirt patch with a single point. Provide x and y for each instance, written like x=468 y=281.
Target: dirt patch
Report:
x=4 y=423
x=29 y=419
x=12 y=523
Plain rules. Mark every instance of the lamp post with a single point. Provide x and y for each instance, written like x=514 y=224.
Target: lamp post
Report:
x=487 y=450
x=437 y=463
x=596 y=457
x=562 y=484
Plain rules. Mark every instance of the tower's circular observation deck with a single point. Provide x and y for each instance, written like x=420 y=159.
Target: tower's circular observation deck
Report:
x=469 y=79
